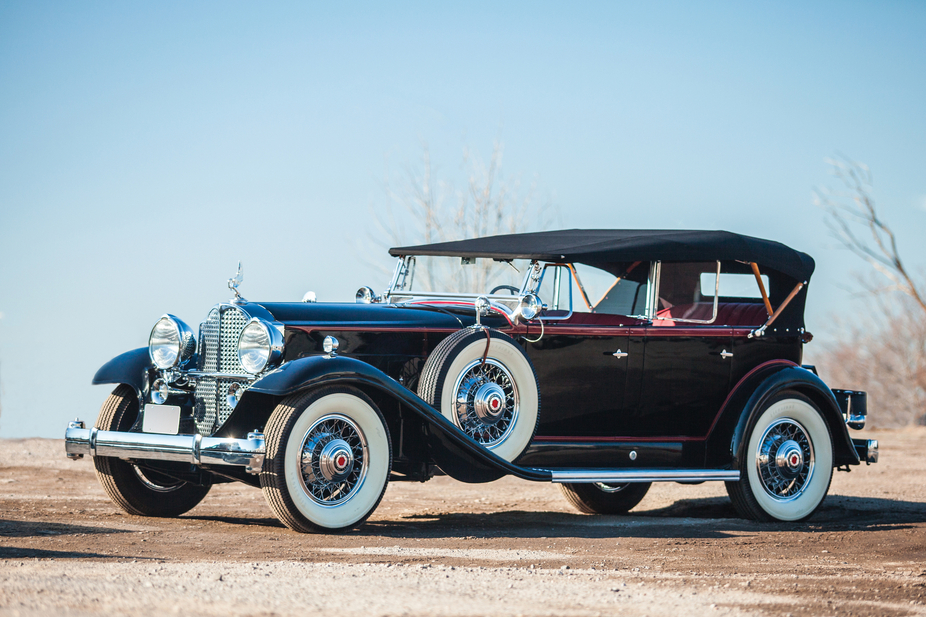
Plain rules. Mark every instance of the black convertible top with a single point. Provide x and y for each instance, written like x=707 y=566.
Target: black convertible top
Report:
x=598 y=246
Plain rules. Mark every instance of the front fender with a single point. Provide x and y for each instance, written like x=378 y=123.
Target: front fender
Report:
x=130 y=368
x=455 y=452
x=751 y=395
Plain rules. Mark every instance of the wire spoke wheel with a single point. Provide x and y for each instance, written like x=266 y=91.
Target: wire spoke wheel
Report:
x=486 y=402
x=786 y=463
x=785 y=459
x=329 y=456
x=334 y=460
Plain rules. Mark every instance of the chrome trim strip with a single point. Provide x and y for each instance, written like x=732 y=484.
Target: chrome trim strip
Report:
x=195 y=449
x=644 y=475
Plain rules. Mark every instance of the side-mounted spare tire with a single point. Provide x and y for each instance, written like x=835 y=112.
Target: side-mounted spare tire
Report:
x=483 y=382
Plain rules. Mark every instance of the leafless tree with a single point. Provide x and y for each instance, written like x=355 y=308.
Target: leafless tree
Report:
x=852 y=217
x=885 y=355
x=423 y=207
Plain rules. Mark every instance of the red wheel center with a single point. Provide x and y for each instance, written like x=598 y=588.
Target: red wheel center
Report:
x=495 y=404
x=341 y=461
x=795 y=460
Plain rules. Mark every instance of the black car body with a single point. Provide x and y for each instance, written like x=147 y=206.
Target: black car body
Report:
x=678 y=372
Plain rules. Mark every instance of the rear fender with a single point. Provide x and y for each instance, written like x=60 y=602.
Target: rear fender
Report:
x=457 y=454
x=742 y=408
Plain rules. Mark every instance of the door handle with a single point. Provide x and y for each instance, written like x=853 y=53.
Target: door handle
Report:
x=725 y=354
x=620 y=354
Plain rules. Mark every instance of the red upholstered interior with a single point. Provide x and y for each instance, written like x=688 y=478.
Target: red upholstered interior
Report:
x=728 y=313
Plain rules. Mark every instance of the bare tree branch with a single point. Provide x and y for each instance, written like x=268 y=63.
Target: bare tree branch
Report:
x=855 y=208
x=422 y=209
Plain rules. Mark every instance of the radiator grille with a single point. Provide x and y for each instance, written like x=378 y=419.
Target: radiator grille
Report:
x=219 y=350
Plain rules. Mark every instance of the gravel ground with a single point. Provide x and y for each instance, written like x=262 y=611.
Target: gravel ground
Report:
x=446 y=548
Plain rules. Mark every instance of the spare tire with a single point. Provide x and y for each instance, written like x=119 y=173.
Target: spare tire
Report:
x=490 y=394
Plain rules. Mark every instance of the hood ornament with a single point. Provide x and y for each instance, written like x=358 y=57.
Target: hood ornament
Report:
x=233 y=285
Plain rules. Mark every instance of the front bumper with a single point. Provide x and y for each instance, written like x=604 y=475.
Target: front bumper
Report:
x=193 y=449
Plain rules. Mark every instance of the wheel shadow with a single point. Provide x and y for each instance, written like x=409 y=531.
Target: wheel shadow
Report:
x=36 y=529
x=704 y=518
x=15 y=552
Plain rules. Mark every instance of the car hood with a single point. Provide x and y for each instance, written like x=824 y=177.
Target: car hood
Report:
x=349 y=315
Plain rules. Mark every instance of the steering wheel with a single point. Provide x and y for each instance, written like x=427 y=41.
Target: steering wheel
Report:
x=514 y=290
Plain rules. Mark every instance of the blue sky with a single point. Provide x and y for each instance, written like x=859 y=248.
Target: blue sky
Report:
x=146 y=148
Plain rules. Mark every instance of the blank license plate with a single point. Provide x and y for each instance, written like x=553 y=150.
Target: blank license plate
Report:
x=161 y=419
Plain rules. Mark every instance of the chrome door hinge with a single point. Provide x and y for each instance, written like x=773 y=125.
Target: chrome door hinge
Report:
x=620 y=354
x=725 y=354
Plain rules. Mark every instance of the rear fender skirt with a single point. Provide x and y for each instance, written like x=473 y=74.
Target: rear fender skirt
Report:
x=130 y=368
x=741 y=411
x=458 y=455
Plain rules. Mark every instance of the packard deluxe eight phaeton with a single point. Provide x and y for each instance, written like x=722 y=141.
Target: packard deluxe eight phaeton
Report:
x=623 y=357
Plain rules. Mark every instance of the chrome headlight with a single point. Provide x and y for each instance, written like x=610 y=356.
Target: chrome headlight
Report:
x=172 y=342
x=259 y=346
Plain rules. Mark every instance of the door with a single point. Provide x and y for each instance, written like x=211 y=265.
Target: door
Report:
x=686 y=378
x=584 y=377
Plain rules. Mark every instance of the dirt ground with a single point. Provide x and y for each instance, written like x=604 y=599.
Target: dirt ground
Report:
x=446 y=548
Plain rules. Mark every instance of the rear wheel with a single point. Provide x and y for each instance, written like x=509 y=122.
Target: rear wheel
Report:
x=787 y=466
x=604 y=498
x=138 y=491
x=328 y=459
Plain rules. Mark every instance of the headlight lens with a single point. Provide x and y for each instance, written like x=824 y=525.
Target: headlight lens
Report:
x=259 y=345
x=171 y=342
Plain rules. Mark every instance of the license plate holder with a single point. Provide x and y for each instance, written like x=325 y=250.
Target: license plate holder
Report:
x=164 y=419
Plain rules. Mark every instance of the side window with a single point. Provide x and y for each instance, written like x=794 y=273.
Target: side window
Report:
x=733 y=286
x=625 y=291
x=687 y=291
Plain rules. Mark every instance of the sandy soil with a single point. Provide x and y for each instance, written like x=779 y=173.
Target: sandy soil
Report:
x=446 y=548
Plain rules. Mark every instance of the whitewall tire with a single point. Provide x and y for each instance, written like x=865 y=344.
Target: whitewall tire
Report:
x=328 y=459
x=787 y=463
x=491 y=395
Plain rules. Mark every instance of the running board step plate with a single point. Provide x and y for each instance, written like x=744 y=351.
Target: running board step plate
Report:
x=644 y=475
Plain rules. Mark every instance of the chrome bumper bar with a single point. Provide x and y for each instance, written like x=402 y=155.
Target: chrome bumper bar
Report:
x=193 y=449
x=644 y=475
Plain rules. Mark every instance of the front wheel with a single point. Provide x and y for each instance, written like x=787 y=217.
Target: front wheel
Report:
x=137 y=491
x=604 y=498
x=328 y=459
x=787 y=465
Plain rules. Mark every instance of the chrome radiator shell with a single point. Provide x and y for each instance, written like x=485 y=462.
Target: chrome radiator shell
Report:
x=218 y=352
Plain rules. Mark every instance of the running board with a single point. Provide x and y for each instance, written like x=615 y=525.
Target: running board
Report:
x=643 y=475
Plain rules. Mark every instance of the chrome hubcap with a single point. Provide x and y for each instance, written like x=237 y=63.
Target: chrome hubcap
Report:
x=489 y=402
x=333 y=463
x=784 y=459
x=336 y=460
x=486 y=402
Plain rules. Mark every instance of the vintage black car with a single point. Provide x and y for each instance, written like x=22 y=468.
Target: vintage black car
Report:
x=623 y=357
